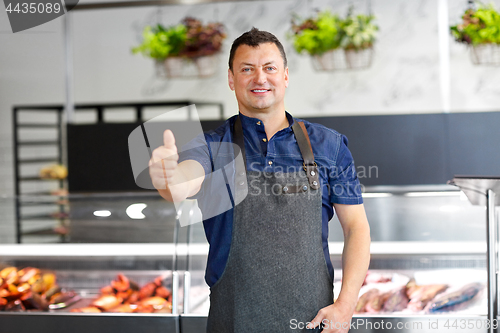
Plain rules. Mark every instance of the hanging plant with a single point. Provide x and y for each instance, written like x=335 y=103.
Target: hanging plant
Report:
x=335 y=43
x=317 y=35
x=480 y=29
x=160 y=42
x=179 y=47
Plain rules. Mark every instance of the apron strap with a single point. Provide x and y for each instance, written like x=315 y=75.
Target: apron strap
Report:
x=300 y=132
x=239 y=139
x=310 y=167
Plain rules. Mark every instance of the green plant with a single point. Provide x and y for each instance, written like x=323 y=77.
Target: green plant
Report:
x=160 y=42
x=188 y=39
x=317 y=35
x=201 y=39
x=328 y=32
x=359 y=32
x=481 y=26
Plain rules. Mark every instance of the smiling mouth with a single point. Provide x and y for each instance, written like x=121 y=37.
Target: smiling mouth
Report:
x=260 y=90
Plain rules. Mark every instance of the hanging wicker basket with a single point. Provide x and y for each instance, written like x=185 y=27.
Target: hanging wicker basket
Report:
x=485 y=54
x=341 y=59
x=171 y=67
x=184 y=67
x=206 y=65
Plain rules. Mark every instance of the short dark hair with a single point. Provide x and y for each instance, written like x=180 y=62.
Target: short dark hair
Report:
x=254 y=38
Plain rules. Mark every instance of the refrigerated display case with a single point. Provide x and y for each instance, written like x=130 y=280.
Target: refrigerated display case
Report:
x=432 y=234
x=99 y=224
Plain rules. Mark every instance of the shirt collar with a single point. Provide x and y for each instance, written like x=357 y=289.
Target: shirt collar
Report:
x=249 y=121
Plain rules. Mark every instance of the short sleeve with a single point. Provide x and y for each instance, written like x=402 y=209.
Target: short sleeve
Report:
x=344 y=186
x=197 y=149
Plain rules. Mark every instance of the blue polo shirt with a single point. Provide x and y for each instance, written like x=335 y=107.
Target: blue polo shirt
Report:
x=280 y=153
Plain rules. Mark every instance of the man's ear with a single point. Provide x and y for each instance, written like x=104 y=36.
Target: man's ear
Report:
x=230 y=79
x=286 y=77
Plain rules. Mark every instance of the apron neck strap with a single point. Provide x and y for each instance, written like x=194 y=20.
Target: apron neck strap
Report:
x=300 y=132
x=310 y=167
x=299 y=129
x=238 y=138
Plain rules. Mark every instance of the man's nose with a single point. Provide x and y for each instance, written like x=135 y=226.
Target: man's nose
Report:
x=260 y=76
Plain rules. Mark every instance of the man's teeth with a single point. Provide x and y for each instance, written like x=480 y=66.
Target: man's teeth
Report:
x=259 y=90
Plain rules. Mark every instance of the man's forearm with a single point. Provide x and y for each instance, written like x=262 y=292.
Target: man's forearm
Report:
x=355 y=262
x=185 y=183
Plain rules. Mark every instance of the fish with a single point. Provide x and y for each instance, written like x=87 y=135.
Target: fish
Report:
x=376 y=304
x=443 y=302
x=422 y=296
x=364 y=299
x=397 y=301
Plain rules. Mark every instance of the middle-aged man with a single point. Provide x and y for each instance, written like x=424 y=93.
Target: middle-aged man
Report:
x=268 y=266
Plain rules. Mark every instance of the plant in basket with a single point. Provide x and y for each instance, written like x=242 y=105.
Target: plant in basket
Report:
x=480 y=29
x=333 y=42
x=189 y=41
x=317 y=35
x=203 y=43
x=358 y=38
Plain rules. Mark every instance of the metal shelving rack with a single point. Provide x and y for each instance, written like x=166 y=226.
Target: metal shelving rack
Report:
x=18 y=162
x=59 y=126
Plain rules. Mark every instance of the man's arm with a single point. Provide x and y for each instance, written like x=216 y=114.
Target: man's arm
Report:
x=174 y=181
x=355 y=261
x=356 y=254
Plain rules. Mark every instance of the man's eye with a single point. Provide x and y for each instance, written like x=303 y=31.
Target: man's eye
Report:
x=271 y=68
x=246 y=69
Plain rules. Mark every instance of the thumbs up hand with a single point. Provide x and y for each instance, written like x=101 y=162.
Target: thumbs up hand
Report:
x=163 y=162
x=175 y=182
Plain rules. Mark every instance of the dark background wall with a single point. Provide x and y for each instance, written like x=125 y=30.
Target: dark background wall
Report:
x=388 y=150
x=424 y=148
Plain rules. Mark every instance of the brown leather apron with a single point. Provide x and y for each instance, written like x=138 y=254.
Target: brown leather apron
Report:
x=276 y=275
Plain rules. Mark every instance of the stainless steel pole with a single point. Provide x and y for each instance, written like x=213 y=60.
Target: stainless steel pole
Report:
x=68 y=59
x=187 y=291
x=491 y=259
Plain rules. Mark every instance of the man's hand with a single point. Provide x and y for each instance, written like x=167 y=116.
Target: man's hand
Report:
x=163 y=163
x=175 y=182
x=336 y=318
x=355 y=261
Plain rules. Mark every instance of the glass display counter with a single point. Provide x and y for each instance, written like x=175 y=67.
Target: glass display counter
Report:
x=428 y=234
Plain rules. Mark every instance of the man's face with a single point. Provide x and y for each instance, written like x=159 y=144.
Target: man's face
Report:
x=259 y=78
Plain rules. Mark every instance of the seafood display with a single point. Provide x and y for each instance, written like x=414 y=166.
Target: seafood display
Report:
x=365 y=298
x=421 y=295
x=397 y=301
x=32 y=289
x=446 y=301
x=125 y=296
x=412 y=297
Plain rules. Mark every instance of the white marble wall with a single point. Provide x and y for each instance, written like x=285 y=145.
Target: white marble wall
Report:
x=404 y=77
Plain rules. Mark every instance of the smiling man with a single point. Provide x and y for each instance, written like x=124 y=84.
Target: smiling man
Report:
x=268 y=266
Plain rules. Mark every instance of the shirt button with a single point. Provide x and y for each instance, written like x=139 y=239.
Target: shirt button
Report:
x=270 y=162
x=258 y=123
x=264 y=140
